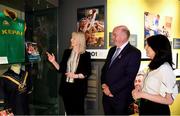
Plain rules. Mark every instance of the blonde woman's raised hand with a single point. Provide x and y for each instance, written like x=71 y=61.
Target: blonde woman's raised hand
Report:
x=51 y=57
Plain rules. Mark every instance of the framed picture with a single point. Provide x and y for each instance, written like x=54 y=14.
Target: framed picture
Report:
x=176 y=43
x=32 y=52
x=110 y=39
x=175 y=59
x=178 y=84
x=132 y=39
x=156 y=24
x=91 y=21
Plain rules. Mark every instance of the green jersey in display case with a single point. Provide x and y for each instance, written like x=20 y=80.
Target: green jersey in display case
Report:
x=12 y=30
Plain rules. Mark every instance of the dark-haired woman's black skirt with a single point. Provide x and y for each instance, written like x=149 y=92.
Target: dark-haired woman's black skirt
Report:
x=151 y=108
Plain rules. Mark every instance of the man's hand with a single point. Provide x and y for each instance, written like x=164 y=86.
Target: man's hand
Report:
x=106 y=90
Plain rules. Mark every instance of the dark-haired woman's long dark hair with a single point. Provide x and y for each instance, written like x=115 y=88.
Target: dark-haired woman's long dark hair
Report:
x=162 y=48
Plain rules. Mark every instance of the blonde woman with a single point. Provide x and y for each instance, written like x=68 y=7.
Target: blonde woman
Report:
x=75 y=68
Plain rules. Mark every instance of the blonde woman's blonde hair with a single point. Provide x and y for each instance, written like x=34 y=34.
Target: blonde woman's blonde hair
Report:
x=81 y=40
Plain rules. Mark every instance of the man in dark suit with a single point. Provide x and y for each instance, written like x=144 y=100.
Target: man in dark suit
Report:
x=119 y=72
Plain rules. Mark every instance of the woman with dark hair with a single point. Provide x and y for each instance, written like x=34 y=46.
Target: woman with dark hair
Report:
x=159 y=87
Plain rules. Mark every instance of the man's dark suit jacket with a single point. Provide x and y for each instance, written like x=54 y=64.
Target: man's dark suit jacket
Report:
x=84 y=67
x=122 y=72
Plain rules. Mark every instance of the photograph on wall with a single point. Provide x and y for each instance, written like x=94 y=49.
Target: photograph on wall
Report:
x=157 y=24
x=132 y=40
x=32 y=52
x=178 y=85
x=176 y=43
x=91 y=22
x=111 y=43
